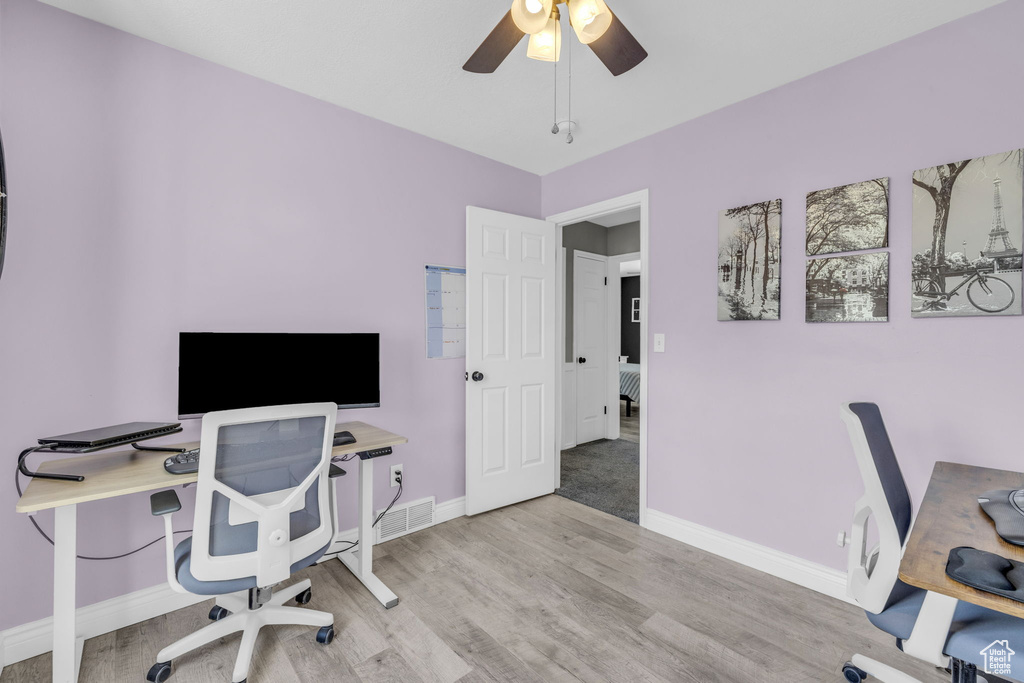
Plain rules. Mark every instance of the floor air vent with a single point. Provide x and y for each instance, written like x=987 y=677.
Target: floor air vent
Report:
x=405 y=519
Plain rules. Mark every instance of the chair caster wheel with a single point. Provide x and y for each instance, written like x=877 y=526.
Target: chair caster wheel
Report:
x=325 y=635
x=853 y=674
x=217 y=613
x=159 y=672
x=304 y=597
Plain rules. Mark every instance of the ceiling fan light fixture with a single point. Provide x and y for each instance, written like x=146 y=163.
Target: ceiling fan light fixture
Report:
x=531 y=16
x=546 y=45
x=589 y=19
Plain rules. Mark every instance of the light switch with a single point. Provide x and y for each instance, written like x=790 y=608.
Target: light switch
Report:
x=659 y=343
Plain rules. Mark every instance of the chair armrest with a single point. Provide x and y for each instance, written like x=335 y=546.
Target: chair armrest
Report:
x=334 y=472
x=164 y=502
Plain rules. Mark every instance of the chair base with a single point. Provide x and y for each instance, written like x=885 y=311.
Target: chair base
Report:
x=882 y=672
x=249 y=622
x=960 y=672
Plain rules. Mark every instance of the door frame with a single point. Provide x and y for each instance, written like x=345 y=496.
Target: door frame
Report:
x=613 y=300
x=628 y=201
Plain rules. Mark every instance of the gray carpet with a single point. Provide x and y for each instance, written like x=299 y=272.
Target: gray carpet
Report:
x=604 y=475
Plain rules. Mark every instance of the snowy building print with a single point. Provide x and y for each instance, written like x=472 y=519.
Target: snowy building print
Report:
x=848 y=288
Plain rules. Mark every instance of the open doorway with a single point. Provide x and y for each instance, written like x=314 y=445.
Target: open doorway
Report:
x=629 y=349
x=602 y=459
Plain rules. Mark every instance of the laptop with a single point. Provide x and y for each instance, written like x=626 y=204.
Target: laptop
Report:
x=108 y=437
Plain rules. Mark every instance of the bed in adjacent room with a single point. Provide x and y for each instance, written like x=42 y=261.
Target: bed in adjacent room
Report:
x=629 y=385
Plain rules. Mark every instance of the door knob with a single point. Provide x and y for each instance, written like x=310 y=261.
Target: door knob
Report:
x=477 y=376
x=581 y=359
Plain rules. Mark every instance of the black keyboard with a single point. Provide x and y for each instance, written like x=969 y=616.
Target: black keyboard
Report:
x=183 y=463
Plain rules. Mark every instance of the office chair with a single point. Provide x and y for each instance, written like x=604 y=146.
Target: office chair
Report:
x=262 y=513
x=873 y=577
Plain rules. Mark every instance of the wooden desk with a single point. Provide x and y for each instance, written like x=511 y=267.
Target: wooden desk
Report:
x=109 y=474
x=950 y=517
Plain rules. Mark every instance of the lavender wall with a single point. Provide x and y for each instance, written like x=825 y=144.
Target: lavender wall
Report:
x=745 y=436
x=152 y=192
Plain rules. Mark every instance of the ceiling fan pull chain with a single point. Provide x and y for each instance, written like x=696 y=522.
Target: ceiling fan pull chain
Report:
x=568 y=137
x=554 y=112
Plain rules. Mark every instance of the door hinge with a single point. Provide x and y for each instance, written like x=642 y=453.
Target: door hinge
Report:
x=606 y=410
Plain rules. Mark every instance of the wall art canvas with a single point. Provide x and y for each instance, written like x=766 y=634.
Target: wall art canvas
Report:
x=966 y=238
x=848 y=218
x=848 y=288
x=749 y=261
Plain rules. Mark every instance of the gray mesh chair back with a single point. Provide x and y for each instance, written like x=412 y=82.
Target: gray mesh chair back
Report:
x=262 y=499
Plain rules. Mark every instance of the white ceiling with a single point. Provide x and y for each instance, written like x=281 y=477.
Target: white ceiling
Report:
x=617 y=218
x=400 y=61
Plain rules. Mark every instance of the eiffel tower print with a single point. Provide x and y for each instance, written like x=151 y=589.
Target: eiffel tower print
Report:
x=999 y=244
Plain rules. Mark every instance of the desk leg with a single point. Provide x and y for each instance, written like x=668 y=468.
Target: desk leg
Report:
x=67 y=646
x=931 y=629
x=360 y=561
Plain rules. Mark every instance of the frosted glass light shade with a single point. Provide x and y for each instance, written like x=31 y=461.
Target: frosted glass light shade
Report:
x=589 y=18
x=546 y=45
x=531 y=16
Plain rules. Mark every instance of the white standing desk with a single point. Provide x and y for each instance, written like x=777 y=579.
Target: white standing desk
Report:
x=109 y=474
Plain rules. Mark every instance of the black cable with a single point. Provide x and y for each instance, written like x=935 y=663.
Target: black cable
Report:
x=393 y=501
x=353 y=544
x=17 y=485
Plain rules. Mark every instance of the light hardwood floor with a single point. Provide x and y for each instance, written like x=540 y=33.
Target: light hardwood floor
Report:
x=547 y=590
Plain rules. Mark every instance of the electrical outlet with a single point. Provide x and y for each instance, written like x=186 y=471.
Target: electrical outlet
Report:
x=395 y=470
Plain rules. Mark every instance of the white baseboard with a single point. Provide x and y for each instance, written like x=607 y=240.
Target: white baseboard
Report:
x=35 y=638
x=831 y=582
x=456 y=507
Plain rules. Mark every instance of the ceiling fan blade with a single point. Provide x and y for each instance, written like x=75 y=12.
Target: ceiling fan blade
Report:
x=618 y=49
x=492 y=52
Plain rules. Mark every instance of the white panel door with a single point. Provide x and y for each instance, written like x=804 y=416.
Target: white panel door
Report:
x=511 y=362
x=589 y=311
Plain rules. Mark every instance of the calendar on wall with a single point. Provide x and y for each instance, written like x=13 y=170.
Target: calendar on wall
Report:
x=446 y=312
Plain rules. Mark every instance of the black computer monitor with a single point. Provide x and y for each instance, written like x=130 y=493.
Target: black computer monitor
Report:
x=228 y=370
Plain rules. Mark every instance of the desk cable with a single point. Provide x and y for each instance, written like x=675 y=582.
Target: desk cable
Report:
x=398 y=477
x=17 y=485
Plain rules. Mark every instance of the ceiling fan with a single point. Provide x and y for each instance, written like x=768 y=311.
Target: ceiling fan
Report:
x=593 y=22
